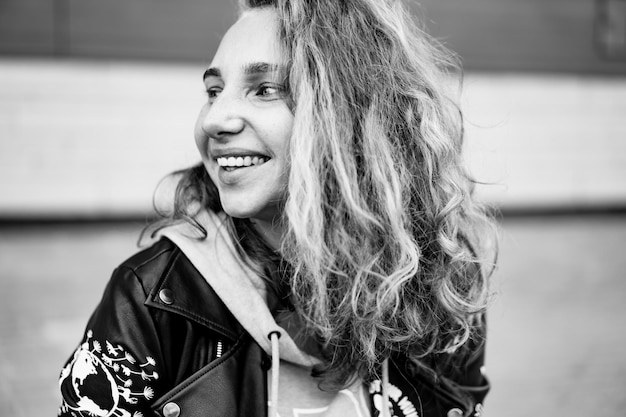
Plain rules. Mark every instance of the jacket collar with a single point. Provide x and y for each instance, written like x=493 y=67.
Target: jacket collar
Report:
x=182 y=290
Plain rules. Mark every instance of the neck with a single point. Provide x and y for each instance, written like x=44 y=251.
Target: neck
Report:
x=271 y=231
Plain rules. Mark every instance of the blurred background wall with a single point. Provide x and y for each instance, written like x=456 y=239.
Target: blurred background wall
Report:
x=98 y=101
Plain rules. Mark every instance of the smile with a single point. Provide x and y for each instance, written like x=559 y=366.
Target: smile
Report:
x=232 y=162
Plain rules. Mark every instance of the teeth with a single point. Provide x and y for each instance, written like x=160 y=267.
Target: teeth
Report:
x=241 y=161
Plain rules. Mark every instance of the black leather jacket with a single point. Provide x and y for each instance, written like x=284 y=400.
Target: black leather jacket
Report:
x=161 y=343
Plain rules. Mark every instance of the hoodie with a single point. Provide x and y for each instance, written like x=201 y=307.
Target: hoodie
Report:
x=293 y=391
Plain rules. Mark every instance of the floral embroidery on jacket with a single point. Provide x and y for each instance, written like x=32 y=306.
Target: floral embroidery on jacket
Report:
x=105 y=381
x=399 y=404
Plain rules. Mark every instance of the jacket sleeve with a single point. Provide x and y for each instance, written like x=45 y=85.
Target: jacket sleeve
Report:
x=117 y=368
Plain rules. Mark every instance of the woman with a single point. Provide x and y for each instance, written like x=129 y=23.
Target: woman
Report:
x=326 y=258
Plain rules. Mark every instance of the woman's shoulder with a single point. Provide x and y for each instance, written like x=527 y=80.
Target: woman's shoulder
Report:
x=153 y=264
x=163 y=278
x=151 y=257
x=147 y=265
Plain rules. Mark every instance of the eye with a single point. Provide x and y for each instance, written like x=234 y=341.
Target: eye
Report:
x=269 y=91
x=213 y=92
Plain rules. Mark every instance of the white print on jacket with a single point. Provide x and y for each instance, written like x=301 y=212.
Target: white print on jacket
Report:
x=399 y=404
x=103 y=384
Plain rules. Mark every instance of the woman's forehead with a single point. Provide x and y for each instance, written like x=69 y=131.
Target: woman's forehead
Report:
x=252 y=39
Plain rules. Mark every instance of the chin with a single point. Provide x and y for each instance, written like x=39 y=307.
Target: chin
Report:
x=240 y=211
x=237 y=213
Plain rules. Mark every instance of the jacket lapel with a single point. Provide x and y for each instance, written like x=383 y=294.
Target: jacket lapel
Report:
x=183 y=290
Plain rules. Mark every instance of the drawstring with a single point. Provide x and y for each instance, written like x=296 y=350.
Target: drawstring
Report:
x=274 y=336
x=386 y=412
x=273 y=407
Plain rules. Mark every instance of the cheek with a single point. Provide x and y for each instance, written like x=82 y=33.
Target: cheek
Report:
x=201 y=137
x=282 y=131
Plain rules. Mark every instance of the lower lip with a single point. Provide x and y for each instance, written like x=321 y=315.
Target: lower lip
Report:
x=236 y=175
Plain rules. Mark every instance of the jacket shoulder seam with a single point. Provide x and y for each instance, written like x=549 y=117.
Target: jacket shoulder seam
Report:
x=134 y=266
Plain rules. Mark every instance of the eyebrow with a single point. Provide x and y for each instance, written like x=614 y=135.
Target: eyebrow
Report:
x=252 y=68
x=260 y=68
x=211 y=72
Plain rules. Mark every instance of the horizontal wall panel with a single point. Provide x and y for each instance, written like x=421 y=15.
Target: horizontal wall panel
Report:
x=27 y=27
x=547 y=140
x=521 y=35
x=161 y=29
x=93 y=138
x=489 y=35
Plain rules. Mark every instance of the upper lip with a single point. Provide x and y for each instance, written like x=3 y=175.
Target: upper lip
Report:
x=235 y=152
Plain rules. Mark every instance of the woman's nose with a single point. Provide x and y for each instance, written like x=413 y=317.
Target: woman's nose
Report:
x=223 y=117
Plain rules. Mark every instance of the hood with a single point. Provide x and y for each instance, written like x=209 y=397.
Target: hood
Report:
x=239 y=287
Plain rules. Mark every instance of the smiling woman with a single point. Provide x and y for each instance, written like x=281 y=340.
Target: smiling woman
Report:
x=326 y=257
x=244 y=128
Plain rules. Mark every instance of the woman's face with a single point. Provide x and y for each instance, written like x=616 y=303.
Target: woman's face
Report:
x=243 y=130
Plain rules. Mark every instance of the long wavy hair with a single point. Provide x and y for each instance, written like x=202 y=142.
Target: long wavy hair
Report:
x=387 y=250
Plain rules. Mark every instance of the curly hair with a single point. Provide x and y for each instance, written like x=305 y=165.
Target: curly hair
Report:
x=387 y=250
